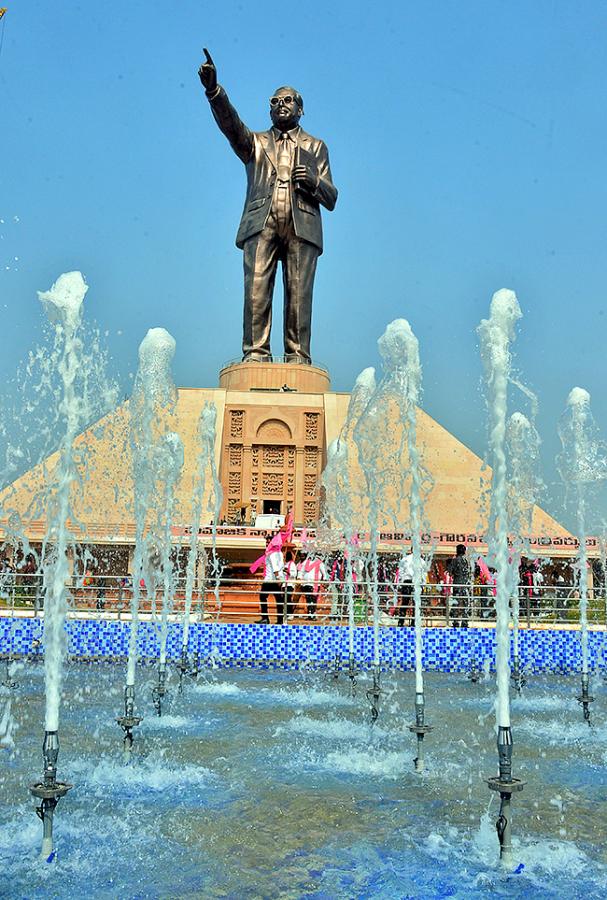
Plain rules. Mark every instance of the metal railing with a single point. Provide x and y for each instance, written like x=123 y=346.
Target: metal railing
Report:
x=325 y=602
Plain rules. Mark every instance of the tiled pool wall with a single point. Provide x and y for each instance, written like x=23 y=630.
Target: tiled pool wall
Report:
x=292 y=646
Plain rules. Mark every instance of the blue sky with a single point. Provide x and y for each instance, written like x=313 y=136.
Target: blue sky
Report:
x=467 y=139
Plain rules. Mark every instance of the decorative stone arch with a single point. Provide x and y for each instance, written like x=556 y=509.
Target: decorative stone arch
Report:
x=273 y=431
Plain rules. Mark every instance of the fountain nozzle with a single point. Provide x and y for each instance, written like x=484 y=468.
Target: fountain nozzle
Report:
x=374 y=694
x=129 y=720
x=504 y=752
x=159 y=691
x=352 y=673
x=183 y=666
x=420 y=729
x=49 y=791
x=585 y=698
x=506 y=785
x=336 y=667
x=50 y=754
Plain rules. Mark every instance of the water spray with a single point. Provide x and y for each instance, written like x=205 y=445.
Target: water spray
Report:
x=525 y=489
x=339 y=492
x=365 y=435
x=518 y=679
x=63 y=305
x=582 y=465
x=475 y=674
x=206 y=438
x=399 y=349
x=153 y=400
x=8 y=678
x=496 y=334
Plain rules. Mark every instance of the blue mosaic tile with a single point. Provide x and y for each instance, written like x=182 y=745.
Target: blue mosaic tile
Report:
x=444 y=649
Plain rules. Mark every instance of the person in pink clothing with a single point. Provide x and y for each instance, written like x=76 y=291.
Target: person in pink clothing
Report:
x=272 y=584
x=290 y=579
x=312 y=573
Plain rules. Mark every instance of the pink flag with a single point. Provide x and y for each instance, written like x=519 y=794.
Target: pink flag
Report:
x=275 y=544
x=288 y=527
x=484 y=570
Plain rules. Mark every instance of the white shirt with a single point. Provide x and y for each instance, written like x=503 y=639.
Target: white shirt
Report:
x=274 y=566
x=405 y=569
x=290 y=572
x=310 y=573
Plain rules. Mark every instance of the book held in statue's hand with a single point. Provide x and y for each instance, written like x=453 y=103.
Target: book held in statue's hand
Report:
x=305 y=158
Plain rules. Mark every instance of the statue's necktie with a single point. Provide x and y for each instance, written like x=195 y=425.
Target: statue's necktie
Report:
x=284 y=158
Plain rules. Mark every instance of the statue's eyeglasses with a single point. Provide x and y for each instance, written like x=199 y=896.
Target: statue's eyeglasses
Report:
x=274 y=101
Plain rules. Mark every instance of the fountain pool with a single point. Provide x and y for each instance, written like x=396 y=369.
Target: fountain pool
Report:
x=267 y=784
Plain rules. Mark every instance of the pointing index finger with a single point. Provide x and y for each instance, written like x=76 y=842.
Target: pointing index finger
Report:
x=208 y=56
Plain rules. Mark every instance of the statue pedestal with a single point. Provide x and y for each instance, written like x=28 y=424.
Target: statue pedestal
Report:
x=275 y=376
x=273 y=439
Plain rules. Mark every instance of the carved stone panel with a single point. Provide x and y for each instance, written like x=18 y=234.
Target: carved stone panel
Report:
x=235 y=456
x=310 y=482
x=236 y=423
x=311 y=457
x=311 y=426
x=274 y=457
x=310 y=511
x=233 y=508
x=272 y=484
x=234 y=482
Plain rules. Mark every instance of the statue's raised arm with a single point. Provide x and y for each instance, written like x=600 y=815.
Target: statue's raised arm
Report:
x=225 y=115
x=208 y=73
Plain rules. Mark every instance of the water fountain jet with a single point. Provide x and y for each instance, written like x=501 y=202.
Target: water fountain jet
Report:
x=496 y=334
x=399 y=349
x=63 y=306
x=582 y=464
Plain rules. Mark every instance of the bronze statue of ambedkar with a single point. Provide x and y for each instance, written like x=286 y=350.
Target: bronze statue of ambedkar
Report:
x=288 y=179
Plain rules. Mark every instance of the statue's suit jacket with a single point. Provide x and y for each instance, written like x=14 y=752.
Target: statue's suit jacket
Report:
x=257 y=150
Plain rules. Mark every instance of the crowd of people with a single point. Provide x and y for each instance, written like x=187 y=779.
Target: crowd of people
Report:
x=454 y=588
x=306 y=583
